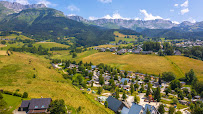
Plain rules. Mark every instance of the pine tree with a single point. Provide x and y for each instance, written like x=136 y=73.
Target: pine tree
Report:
x=132 y=89
x=124 y=95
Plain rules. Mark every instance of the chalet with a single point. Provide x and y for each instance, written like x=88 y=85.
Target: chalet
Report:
x=93 y=66
x=34 y=106
x=183 y=102
x=102 y=49
x=147 y=52
x=136 y=109
x=130 y=51
x=96 y=48
x=122 y=51
x=136 y=51
x=73 y=66
x=125 y=79
x=182 y=83
x=114 y=104
x=177 y=52
x=113 y=49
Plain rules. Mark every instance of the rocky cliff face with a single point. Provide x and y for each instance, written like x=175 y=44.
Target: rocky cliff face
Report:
x=130 y=24
x=16 y=7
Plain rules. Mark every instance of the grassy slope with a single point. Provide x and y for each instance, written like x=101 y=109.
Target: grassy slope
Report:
x=150 y=64
x=185 y=64
x=122 y=37
x=17 y=73
x=50 y=44
x=64 y=55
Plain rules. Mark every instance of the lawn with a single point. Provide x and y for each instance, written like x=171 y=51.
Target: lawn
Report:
x=17 y=70
x=13 y=36
x=150 y=64
x=13 y=102
x=50 y=44
x=18 y=44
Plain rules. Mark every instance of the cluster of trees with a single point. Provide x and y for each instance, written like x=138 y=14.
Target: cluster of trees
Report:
x=151 y=46
x=28 y=48
x=195 y=52
x=24 y=95
x=168 y=49
x=7 y=33
x=57 y=107
x=58 y=48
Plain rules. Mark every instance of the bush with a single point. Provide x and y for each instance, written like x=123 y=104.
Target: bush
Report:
x=25 y=95
x=8 y=92
x=17 y=94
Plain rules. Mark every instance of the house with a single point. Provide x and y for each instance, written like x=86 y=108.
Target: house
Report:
x=147 y=52
x=182 y=83
x=152 y=109
x=125 y=79
x=113 y=49
x=136 y=109
x=177 y=52
x=93 y=66
x=183 y=102
x=73 y=66
x=114 y=104
x=130 y=51
x=34 y=106
x=122 y=51
x=136 y=51
x=102 y=50
x=101 y=98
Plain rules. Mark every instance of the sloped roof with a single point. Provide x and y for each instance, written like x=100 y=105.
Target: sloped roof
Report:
x=123 y=80
x=150 y=108
x=135 y=109
x=124 y=110
x=42 y=103
x=113 y=103
x=25 y=104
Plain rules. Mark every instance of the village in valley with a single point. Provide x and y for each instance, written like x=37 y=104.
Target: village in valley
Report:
x=129 y=92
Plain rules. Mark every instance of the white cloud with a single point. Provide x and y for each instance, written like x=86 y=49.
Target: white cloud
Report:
x=192 y=20
x=71 y=14
x=73 y=8
x=176 y=5
x=45 y=2
x=137 y=18
x=185 y=4
x=24 y=2
x=105 y=1
x=149 y=16
x=175 y=22
x=115 y=16
x=92 y=18
x=183 y=11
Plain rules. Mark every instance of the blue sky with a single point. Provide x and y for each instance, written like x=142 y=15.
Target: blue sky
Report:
x=174 y=10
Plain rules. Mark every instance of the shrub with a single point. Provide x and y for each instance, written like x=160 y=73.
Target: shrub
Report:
x=17 y=94
x=25 y=95
x=8 y=92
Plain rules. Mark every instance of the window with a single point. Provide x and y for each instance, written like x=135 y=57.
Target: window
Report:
x=36 y=106
x=42 y=106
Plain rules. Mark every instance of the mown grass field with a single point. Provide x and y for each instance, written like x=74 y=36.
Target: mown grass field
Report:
x=12 y=102
x=50 y=44
x=17 y=70
x=18 y=44
x=150 y=64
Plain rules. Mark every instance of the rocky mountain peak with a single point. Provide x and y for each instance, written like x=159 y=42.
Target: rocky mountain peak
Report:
x=17 y=7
